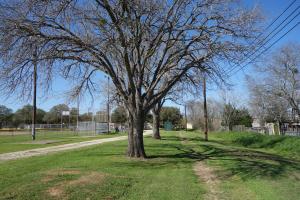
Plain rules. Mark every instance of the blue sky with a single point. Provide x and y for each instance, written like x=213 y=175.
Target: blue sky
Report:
x=271 y=9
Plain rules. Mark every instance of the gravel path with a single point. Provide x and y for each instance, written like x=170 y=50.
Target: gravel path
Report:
x=64 y=147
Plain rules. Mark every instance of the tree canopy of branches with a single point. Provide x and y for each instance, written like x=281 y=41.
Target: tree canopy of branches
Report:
x=277 y=91
x=145 y=46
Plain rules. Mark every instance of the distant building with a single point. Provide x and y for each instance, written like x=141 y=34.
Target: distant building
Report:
x=189 y=126
x=101 y=116
x=256 y=123
x=258 y=127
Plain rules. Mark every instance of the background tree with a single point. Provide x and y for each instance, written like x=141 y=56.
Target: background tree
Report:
x=229 y=115
x=24 y=115
x=40 y=114
x=171 y=114
x=73 y=115
x=54 y=114
x=243 y=117
x=172 y=95
x=156 y=112
x=188 y=85
x=86 y=116
x=144 y=46
x=265 y=106
x=276 y=89
x=119 y=115
x=234 y=116
x=196 y=116
x=101 y=115
x=5 y=116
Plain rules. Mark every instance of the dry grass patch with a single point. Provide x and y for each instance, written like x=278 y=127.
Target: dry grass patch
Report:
x=59 y=190
x=91 y=178
x=208 y=176
x=295 y=176
x=40 y=142
x=52 y=174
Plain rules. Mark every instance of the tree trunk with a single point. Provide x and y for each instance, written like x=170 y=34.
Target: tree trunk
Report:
x=130 y=149
x=135 y=136
x=230 y=127
x=156 y=124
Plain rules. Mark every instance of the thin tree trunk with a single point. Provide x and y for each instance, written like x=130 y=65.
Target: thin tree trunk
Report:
x=156 y=119
x=230 y=127
x=156 y=124
x=130 y=149
x=185 y=118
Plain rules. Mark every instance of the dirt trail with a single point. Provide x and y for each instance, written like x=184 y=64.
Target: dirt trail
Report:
x=206 y=175
x=64 y=147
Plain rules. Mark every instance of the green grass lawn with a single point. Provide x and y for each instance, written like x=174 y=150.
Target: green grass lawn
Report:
x=12 y=143
x=103 y=171
x=251 y=166
x=288 y=146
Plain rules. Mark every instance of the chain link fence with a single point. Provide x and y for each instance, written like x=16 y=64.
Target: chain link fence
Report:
x=81 y=128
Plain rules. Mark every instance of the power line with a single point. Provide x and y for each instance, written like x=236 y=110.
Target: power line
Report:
x=278 y=31
x=267 y=48
x=253 y=42
x=275 y=20
x=283 y=22
x=263 y=44
x=281 y=14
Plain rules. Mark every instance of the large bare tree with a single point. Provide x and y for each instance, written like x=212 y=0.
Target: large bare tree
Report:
x=276 y=88
x=266 y=106
x=145 y=46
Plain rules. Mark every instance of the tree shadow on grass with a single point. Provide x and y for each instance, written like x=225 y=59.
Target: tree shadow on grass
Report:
x=170 y=154
x=170 y=138
x=245 y=163
x=249 y=163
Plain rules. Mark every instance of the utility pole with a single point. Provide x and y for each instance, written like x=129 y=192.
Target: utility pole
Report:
x=69 y=119
x=94 y=121
x=185 y=117
x=77 y=125
x=108 y=118
x=205 y=109
x=61 y=120
x=34 y=93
